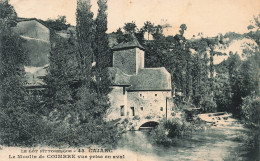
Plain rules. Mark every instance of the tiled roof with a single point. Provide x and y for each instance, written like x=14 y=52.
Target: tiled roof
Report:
x=151 y=79
x=133 y=43
x=147 y=79
x=118 y=77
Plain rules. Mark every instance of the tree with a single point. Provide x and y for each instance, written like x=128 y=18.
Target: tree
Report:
x=59 y=24
x=85 y=35
x=91 y=100
x=102 y=52
x=119 y=36
x=183 y=27
x=148 y=27
x=130 y=27
x=255 y=24
x=14 y=116
x=60 y=75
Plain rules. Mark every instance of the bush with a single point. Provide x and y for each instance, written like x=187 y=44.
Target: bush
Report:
x=178 y=128
x=208 y=105
x=160 y=136
x=168 y=131
x=251 y=111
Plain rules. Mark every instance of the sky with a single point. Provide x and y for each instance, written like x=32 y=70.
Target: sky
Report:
x=207 y=16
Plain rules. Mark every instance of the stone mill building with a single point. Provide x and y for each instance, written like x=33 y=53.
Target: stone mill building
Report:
x=138 y=91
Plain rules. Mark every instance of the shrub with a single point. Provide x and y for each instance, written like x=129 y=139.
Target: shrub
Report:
x=251 y=111
x=168 y=131
x=160 y=136
x=208 y=105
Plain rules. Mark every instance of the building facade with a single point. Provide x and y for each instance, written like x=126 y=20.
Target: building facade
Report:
x=137 y=91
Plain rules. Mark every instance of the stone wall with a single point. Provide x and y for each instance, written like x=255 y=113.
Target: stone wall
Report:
x=125 y=60
x=139 y=59
x=36 y=41
x=38 y=52
x=33 y=29
x=149 y=103
x=146 y=104
x=117 y=99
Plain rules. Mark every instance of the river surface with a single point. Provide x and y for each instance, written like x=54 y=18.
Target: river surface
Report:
x=215 y=143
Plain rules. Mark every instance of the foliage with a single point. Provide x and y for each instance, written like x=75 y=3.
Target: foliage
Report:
x=58 y=24
x=255 y=25
x=102 y=52
x=168 y=131
x=249 y=140
x=15 y=120
x=223 y=92
x=75 y=101
x=103 y=55
x=208 y=105
x=7 y=11
x=130 y=27
x=60 y=76
x=91 y=100
x=119 y=36
x=85 y=35
x=148 y=27
x=251 y=111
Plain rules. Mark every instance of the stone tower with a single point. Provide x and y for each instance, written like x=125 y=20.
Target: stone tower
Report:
x=129 y=56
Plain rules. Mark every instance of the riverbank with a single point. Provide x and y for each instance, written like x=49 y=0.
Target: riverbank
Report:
x=226 y=139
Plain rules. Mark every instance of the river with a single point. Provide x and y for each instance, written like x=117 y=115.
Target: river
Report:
x=215 y=143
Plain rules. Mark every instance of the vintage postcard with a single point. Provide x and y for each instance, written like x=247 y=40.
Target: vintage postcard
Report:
x=129 y=80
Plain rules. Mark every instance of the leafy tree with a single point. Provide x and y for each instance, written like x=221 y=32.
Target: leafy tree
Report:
x=255 y=25
x=148 y=27
x=158 y=32
x=251 y=110
x=222 y=87
x=130 y=27
x=85 y=35
x=91 y=98
x=14 y=116
x=59 y=24
x=102 y=52
x=7 y=11
x=60 y=76
x=119 y=36
x=183 y=27
x=199 y=76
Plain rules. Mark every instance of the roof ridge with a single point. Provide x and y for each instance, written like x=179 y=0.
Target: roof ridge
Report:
x=133 y=43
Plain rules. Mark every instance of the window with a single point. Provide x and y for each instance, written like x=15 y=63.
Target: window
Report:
x=161 y=108
x=155 y=95
x=133 y=111
x=122 y=108
x=140 y=95
x=141 y=108
x=123 y=90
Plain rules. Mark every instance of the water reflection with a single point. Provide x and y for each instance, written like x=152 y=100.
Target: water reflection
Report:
x=211 y=144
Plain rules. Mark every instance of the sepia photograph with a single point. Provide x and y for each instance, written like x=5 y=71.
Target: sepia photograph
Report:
x=129 y=80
